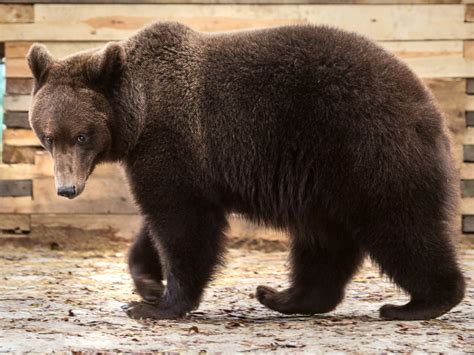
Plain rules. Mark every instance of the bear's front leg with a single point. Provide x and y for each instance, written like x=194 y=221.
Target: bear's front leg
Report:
x=189 y=235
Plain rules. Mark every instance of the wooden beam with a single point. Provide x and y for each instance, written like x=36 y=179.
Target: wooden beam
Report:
x=105 y=22
x=15 y=222
x=15 y=188
x=16 y=119
x=14 y=13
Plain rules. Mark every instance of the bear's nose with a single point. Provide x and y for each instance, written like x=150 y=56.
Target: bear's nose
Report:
x=67 y=191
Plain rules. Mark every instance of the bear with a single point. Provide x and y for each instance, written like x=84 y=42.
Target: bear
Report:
x=308 y=129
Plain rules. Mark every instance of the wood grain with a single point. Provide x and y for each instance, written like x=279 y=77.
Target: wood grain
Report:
x=20 y=137
x=103 y=22
x=16 y=119
x=14 y=13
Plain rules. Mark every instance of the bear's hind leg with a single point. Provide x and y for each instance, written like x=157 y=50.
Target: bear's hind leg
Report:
x=145 y=267
x=418 y=256
x=324 y=258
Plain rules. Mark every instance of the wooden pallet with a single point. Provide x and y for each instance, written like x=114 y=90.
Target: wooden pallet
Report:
x=434 y=37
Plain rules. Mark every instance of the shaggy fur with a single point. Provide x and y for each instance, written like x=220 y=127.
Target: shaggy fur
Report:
x=309 y=129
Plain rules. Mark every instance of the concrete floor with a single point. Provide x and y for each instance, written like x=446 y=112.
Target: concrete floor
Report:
x=71 y=301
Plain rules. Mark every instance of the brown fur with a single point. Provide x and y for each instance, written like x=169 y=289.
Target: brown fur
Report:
x=309 y=129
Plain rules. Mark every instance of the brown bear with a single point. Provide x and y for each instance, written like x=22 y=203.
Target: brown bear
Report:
x=308 y=129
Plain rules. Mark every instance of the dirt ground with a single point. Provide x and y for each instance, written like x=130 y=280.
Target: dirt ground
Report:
x=54 y=300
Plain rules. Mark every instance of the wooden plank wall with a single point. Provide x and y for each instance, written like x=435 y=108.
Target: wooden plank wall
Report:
x=434 y=37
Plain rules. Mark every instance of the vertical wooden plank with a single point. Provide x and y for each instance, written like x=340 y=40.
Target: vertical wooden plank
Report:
x=11 y=13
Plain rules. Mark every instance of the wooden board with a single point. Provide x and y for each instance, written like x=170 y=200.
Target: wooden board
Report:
x=16 y=119
x=17 y=102
x=15 y=222
x=470 y=118
x=431 y=59
x=381 y=2
x=43 y=167
x=469 y=49
x=469 y=13
x=123 y=225
x=104 y=22
x=468 y=224
x=16 y=86
x=13 y=13
x=16 y=155
x=15 y=188
x=102 y=195
x=470 y=86
x=20 y=137
x=57 y=49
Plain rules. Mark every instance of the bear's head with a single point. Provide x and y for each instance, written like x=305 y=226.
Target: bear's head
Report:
x=71 y=111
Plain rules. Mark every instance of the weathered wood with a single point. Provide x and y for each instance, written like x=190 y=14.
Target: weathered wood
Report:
x=123 y=225
x=16 y=155
x=17 y=102
x=470 y=103
x=16 y=119
x=18 y=86
x=102 y=195
x=470 y=86
x=15 y=188
x=469 y=49
x=470 y=118
x=103 y=22
x=15 y=222
x=260 y=2
x=469 y=153
x=20 y=137
x=43 y=167
x=468 y=224
x=469 y=13
x=14 y=13
x=57 y=49
x=467 y=188
x=17 y=68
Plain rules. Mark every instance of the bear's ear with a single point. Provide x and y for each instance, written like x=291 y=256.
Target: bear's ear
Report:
x=106 y=65
x=39 y=60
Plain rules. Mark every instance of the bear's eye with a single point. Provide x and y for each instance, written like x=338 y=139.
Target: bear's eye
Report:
x=49 y=140
x=81 y=139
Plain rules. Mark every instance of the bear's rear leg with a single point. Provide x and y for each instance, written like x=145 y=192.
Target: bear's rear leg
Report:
x=418 y=256
x=145 y=267
x=324 y=258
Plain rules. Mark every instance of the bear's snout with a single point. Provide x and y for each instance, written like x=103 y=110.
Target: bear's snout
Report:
x=67 y=191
